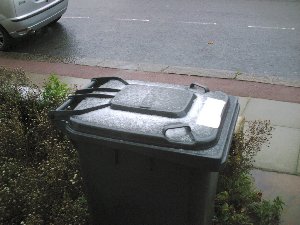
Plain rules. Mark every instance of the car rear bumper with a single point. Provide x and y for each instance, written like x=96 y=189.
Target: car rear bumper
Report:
x=20 y=26
x=37 y=12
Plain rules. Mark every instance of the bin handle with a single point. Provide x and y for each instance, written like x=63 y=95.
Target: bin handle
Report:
x=196 y=85
x=62 y=114
x=90 y=90
x=102 y=80
x=80 y=97
x=194 y=137
x=178 y=125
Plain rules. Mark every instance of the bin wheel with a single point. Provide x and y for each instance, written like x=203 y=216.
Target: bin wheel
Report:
x=5 y=40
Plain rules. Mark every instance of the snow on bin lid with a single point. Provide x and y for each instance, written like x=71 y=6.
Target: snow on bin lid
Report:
x=154 y=100
x=155 y=114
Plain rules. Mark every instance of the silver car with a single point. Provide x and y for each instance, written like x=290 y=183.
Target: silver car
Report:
x=20 y=17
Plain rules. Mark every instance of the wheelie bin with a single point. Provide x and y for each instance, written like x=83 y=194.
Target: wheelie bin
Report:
x=149 y=152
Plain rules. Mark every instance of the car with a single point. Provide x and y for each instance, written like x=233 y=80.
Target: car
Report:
x=22 y=17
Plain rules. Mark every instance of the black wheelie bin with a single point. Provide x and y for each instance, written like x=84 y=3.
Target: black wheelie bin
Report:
x=149 y=152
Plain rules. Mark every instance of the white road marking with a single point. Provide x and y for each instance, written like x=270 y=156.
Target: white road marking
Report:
x=200 y=23
x=140 y=20
x=274 y=28
x=76 y=17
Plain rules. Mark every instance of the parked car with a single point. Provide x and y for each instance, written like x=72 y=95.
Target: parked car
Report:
x=21 y=17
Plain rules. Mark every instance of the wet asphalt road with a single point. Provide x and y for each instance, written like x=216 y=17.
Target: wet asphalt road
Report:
x=252 y=36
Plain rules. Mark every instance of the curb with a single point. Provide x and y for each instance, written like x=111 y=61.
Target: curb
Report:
x=191 y=71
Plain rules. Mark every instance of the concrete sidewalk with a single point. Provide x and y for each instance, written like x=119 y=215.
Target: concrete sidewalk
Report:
x=278 y=167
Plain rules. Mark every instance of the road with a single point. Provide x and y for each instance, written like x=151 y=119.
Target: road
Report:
x=251 y=36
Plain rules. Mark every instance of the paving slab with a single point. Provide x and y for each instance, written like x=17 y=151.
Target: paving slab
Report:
x=282 y=153
x=279 y=113
x=287 y=187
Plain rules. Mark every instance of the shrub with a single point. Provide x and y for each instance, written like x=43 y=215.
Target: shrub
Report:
x=40 y=177
x=237 y=201
x=55 y=91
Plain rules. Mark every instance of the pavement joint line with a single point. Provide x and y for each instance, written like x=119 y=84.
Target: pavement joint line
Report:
x=298 y=160
x=207 y=76
x=236 y=74
x=276 y=171
x=164 y=69
x=99 y=63
x=248 y=100
x=258 y=79
x=274 y=125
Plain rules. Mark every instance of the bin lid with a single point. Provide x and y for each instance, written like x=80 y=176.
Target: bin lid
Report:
x=153 y=100
x=157 y=114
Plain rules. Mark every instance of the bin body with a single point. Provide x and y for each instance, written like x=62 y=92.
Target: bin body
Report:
x=128 y=188
x=147 y=157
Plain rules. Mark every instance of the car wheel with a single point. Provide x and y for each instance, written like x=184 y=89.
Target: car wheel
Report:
x=5 y=40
